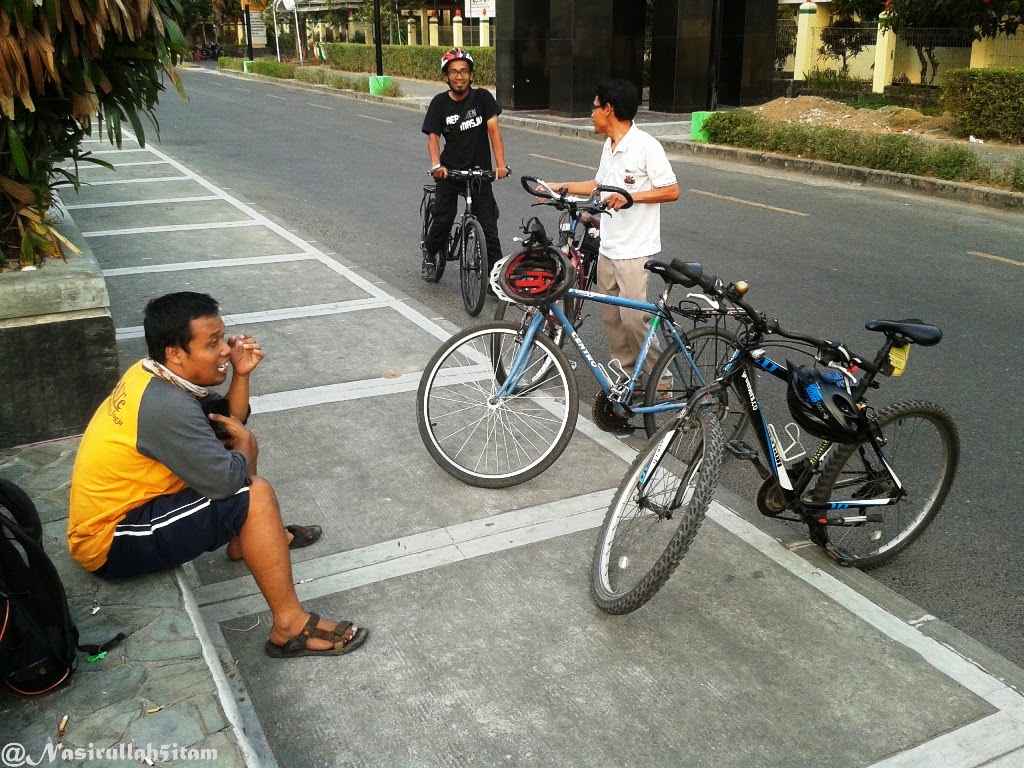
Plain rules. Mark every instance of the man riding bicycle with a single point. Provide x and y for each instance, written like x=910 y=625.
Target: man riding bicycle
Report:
x=467 y=117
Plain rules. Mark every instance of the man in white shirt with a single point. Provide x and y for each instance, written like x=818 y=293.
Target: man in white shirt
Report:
x=632 y=160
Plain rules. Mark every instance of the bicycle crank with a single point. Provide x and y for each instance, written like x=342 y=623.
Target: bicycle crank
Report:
x=607 y=419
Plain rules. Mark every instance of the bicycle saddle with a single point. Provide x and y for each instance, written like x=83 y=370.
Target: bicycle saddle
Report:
x=670 y=273
x=915 y=330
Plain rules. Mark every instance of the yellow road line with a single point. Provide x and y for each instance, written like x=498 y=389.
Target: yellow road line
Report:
x=378 y=119
x=748 y=202
x=564 y=162
x=996 y=258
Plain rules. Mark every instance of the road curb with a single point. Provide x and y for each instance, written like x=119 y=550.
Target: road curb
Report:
x=961 y=192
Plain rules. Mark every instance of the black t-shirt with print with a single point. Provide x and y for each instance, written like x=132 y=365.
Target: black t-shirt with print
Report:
x=463 y=124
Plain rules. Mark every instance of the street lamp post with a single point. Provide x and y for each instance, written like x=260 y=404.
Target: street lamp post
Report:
x=377 y=33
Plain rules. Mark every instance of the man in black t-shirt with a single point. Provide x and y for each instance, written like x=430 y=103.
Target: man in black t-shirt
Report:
x=467 y=117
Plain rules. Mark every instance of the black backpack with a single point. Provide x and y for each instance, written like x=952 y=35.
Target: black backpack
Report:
x=38 y=639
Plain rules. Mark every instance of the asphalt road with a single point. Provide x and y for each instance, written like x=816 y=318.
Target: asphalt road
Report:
x=823 y=257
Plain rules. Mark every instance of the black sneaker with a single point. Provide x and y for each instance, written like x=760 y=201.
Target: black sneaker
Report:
x=428 y=271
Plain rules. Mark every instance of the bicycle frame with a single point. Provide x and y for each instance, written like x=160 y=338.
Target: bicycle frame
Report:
x=618 y=395
x=736 y=375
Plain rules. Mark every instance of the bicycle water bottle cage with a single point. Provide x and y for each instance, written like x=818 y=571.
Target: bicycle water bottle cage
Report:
x=620 y=381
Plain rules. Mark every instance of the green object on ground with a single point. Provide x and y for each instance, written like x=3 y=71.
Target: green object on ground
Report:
x=246 y=65
x=378 y=83
x=697 y=132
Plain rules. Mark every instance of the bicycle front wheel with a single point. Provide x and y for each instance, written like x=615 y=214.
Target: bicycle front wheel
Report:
x=473 y=267
x=522 y=316
x=711 y=347
x=923 y=448
x=488 y=440
x=656 y=512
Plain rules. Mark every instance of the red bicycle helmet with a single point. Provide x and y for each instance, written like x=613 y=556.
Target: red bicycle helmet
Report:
x=455 y=54
x=536 y=276
x=823 y=408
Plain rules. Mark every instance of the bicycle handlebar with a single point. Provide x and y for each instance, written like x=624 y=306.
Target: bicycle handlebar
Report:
x=832 y=351
x=472 y=173
x=563 y=201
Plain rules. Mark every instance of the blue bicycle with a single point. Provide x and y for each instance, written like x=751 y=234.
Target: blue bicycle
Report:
x=497 y=404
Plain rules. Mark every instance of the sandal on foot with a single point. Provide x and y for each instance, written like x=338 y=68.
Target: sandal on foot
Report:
x=303 y=535
x=296 y=646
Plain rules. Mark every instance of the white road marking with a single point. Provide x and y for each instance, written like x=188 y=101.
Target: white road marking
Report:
x=1003 y=259
x=748 y=202
x=318 y=106
x=563 y=162
x=378 y=119
x=129 y=203
x=209 y=264
x=172 y=228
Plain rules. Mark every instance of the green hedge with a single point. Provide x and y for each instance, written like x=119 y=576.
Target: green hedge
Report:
x=273 y=69
x=226 y=62
x=420 y=61
x=987 y=103
x=884 y=152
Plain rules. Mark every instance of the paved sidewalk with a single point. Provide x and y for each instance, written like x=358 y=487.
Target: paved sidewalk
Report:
x=485 y=647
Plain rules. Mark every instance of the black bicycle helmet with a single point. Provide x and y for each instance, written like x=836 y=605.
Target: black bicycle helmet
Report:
x=824 y=408
x=537 y=276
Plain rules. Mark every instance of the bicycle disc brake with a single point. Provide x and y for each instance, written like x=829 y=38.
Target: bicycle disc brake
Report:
x=607 y=419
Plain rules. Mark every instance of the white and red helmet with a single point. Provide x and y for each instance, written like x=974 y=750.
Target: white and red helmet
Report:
x=455 y=54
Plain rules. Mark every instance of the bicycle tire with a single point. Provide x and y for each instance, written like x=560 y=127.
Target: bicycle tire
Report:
x=869 y=545
x=473 y=273
x=440 y=257
x=711 y=347
x=684 y=482
x=491 y=444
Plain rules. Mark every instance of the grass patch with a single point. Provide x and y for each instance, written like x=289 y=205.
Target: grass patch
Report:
x=884 y=152
x=227 y=62
x=1017 y=175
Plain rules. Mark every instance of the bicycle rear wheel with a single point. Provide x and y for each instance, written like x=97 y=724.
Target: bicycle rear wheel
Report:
x=484 y=440
x=427 y=214
x=473 y=267
x=711 y=347
x=923 y=448
x=648 y=529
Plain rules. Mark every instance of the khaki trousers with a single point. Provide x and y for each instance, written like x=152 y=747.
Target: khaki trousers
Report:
x=626 y=328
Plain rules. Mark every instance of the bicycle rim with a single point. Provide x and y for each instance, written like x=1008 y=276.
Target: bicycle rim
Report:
x=647 y=531
x=923 y=448
x=711 y=347
x=483 y=440
x=473 y=269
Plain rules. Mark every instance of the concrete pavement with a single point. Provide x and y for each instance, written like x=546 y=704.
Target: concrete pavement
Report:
x=485 y=647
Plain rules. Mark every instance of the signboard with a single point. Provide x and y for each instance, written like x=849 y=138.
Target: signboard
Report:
x=477 y=8
x=259 y=29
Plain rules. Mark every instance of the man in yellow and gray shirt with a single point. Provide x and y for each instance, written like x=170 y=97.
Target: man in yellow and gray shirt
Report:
x=154 y=486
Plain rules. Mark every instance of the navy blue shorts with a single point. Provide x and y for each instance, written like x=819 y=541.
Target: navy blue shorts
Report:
x=171 y=530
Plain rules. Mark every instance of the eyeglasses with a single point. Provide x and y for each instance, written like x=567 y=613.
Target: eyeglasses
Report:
x=458 y=73
x=596 y=107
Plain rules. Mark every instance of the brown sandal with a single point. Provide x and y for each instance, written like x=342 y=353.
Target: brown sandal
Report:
x=296 y=646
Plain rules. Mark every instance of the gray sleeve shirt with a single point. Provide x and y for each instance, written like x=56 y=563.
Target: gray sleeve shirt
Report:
x=174 y=431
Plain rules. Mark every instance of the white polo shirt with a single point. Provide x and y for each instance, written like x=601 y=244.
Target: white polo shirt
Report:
x=637 y=164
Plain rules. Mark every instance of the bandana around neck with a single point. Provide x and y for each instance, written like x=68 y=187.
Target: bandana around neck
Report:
x=162 y=372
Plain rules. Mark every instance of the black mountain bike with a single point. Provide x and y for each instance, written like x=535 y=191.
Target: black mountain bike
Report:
x=466 y=242
x=862 y=501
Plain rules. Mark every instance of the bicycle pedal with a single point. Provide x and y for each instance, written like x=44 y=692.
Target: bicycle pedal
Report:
x=742 y=450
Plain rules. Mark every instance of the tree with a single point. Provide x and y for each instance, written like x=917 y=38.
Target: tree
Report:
x=913 y=21
x=62 y=63
x=843 y=39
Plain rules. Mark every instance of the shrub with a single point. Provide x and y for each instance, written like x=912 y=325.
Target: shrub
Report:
x=1017 y=175
x=226 y=62
x=896 y=153
x=419 y=61
x=316 y=75
x=273 y=69
x=956 y=164
x=986 y=103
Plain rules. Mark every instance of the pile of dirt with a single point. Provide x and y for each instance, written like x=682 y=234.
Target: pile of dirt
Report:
x=816 y=111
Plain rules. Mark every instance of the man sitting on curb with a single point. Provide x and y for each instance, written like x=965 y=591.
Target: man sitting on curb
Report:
x=153 y=486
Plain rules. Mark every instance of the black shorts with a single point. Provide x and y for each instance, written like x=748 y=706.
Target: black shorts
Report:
x=171 y=530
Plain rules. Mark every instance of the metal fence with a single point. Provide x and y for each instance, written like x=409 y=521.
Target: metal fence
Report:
x=850 y=51
x=785 y=45
x=921 y=54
